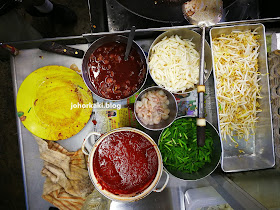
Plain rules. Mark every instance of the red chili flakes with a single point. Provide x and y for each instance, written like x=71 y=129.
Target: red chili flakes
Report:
x=22 y=118
x=60 y=136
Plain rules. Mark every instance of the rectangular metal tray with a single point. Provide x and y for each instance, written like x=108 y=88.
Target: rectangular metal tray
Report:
x=31 y=59
x=259 y=150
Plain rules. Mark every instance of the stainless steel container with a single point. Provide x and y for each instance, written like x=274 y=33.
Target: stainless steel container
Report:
x=152 y=187
x=259 y=149
x=172 y=106
x=195 y=37
x=104 y=40
x=208 y=168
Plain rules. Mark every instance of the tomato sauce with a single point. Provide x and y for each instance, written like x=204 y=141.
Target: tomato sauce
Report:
x=112 y=76
x=125 y=163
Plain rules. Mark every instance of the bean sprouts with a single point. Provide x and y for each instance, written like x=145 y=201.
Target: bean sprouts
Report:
x=237 y=76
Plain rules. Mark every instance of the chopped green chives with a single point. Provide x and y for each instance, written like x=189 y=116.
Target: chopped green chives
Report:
x=180 y=150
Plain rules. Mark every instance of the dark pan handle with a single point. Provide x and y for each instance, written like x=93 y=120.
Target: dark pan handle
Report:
x=200 y=135
x=200 y=121
x=61 y=49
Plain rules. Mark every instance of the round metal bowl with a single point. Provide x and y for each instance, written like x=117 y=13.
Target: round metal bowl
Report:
x=196 y=39
x=98 y=43
x=172 y=106
x=208 y=168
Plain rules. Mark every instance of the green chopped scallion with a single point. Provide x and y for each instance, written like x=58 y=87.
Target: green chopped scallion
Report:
x=178 y=146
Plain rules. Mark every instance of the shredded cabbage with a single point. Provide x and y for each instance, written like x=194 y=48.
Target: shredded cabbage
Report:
x=237 y=76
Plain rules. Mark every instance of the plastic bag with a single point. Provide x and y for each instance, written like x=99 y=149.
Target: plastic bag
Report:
x=96 y=201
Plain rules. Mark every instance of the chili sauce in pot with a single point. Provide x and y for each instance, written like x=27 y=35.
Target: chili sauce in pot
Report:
x=112 y=76
x=125 y=163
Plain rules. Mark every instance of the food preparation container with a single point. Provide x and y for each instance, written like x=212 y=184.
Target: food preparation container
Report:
x=258 y=151
x=172 y=107
x=124 y=198
x=100 y=42
x=195 y=37
x=208 y=168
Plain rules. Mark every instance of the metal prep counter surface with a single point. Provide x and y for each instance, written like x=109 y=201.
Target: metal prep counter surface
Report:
x=22 y=65
x=173 y=195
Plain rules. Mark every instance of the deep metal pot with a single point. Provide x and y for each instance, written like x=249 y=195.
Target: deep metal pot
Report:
x=124 y=198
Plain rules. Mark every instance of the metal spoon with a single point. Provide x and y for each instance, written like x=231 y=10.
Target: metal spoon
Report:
x=203 y=13
x=129 y=42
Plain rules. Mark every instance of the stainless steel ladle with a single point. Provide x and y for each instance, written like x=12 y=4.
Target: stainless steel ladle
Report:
x=203 y=13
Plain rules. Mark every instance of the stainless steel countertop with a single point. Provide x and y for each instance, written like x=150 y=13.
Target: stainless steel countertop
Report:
x=22 y=65
x=173 y=195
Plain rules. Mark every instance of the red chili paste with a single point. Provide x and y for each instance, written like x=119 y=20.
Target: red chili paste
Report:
x=112 y=76
x=125 y=162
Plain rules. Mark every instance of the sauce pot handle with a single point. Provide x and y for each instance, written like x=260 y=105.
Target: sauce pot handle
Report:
x=165 y=183
x=84 y=149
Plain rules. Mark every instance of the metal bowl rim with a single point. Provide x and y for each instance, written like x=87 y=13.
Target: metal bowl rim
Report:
x=211 y=170
x=155 y=129
x=143 y=193
x=161 y=36
x=89 y=50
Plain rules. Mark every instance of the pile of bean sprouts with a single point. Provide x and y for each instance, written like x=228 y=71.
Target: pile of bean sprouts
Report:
x=237 y=77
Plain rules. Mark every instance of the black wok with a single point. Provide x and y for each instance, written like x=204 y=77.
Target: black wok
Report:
x=169 y=11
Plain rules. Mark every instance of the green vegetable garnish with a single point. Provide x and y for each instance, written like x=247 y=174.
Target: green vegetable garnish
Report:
x=19 y=114
x=220 y=107
x=178 y=146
